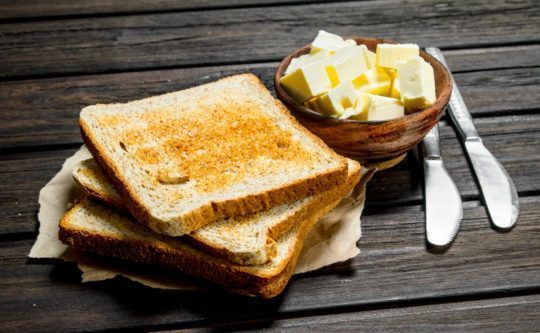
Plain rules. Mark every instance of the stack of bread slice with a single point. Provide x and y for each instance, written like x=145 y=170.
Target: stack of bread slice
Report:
x=217 y=181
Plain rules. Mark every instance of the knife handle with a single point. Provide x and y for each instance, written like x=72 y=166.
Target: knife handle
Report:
x=459 y=112
x=430 y=144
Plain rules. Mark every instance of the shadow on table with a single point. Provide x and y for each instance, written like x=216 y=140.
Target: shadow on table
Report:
x=211 y=307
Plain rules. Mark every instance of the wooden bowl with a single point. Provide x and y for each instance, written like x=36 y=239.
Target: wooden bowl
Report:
x=380 y=143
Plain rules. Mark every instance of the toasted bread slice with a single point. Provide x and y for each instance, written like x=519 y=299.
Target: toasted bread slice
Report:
x=96 y=228
x=97 y=184
x=223 y=149
x=249 y=240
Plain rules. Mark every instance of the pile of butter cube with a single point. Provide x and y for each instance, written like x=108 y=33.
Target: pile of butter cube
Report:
x=341 y=79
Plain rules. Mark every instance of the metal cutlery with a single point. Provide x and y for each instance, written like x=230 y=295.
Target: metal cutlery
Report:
x=444 y=210
x=497 y=188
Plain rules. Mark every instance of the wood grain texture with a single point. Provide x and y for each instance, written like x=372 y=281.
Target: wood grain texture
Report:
x=486 y=282
x=507 y=314
x=22 y=176
x=17 y=9
x=515 y=140
x=45 y=111
x=106 y=44
x=394 y=266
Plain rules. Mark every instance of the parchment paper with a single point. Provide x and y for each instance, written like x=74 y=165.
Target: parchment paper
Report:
x=333 y=239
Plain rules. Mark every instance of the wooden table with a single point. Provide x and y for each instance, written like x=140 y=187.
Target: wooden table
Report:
x=58 y=56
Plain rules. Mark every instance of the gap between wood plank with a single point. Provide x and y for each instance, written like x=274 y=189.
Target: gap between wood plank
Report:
x=490 y=45
x=464 y=198
x=141 y=70
x=465 y=71
x=17 y=236
x=39 y=148
x=505 y=112
x=36 y=148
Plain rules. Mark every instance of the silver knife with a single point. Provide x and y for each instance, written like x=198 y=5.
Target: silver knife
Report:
x=497 y=188
x=442 y=200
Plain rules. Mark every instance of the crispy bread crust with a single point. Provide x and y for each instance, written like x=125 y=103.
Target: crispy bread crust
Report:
x=272 y=288
x=205 y=245
x=213 y=211
x=266 y=253
x=216 y=270
x=102 y=197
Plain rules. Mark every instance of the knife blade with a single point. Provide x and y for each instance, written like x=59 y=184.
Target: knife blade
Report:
x=444 y=210
x=496 y=186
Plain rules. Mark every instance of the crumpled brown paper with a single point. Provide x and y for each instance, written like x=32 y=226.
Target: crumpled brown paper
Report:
x=333 y=239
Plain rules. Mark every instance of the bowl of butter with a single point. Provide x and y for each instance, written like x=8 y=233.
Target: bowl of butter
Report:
x=369 y=99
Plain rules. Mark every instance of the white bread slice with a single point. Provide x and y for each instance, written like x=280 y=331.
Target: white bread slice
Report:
x=249 y=240
x=93 y=227
x=97 y=184
x=223 y=149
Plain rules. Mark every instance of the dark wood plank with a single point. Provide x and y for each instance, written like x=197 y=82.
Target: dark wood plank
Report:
x=393 y=268
x=21 y=179
x=483 y=91
x=507 y=314
x=17 y=9
x=514 y=140
x=251 y=34
x=37 y=112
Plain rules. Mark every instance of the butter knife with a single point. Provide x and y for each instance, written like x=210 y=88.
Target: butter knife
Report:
x=444 y=210
x=497 y=188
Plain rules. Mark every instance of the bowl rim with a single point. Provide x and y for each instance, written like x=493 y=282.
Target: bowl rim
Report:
x=437 y=107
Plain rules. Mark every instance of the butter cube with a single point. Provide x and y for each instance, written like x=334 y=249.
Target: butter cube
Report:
x=306 y=82
x=359 y=108
x=312 y=104
x=346 y=64
x=371 y=58
x=417 y=83
x=293 y=65
x=327 y=41
x=337 y=100
x=374 y=81
x=306 y=59
x=395 y=91
x=388 y=55
x=382 y=108
x=394 y=88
